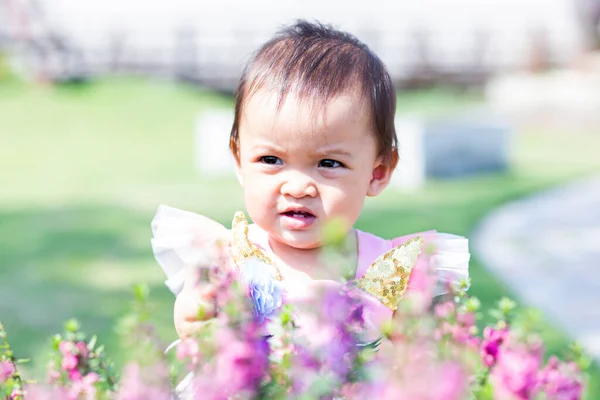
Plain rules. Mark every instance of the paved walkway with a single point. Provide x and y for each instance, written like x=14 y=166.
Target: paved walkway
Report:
x=547 y=248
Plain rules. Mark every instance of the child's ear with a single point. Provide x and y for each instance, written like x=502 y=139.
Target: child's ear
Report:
x=382 y=174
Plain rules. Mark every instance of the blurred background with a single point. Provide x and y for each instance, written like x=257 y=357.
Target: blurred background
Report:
x=108 y=109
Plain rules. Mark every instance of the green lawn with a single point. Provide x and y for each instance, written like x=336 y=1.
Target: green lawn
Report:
x=84 y=168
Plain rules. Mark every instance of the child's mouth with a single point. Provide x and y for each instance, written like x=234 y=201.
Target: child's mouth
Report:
x=298 y=214
x=297 y=219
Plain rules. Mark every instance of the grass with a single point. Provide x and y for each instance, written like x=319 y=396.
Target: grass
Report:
x=84 y=168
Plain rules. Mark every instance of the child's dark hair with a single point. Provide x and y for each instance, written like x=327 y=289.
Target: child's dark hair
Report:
x=317 y=63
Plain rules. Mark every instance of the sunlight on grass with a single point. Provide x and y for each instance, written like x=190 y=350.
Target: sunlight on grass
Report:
x=104 y=275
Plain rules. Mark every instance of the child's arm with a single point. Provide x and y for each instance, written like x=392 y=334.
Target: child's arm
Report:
x=181 y=242
x=195 y=304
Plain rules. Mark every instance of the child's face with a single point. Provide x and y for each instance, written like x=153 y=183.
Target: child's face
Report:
x=298 y=169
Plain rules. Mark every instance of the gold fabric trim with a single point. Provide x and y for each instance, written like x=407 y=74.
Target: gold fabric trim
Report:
x=387 y=278
x=242 y=250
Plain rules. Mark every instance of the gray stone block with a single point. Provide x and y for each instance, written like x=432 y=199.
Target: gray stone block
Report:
x=455 y=147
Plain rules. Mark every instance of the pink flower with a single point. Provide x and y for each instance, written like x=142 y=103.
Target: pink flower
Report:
x=360 y=390
x=388 y=390
x=82 y=349
x=74 y=375
x=561 y=381
x=461 y=334
x=6 y=370
x=84 y=386
x=53 y=376
x=466 y=319
x=144 y=384
x=515 y=374
x=425 y=379
x=492 y=340
x=189 y=349
x=66 y=348
x=42 y=392
x=90 y=378
x=450 y=383
x=444 y=310
x=69 y=362
x=239 y=365
x=446 y=328
x=242 y=364
x=203 y=387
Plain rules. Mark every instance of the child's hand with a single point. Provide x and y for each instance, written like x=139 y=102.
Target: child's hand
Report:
x=193 y=308
x=195 y=304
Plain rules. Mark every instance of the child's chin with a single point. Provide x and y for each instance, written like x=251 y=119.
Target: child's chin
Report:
x=301 y=240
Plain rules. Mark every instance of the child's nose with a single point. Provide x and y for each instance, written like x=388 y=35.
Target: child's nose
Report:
x=299 y=185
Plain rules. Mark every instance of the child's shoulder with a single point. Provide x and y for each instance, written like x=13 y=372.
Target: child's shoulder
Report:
x=182 y=238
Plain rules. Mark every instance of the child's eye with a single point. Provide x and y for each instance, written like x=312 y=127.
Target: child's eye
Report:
x=327 y=163
x=271 y=160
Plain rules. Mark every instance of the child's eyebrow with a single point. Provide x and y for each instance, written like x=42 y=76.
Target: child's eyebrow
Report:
x=267 y=148
x=334 y=152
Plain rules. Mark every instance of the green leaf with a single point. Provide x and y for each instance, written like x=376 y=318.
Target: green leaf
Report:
x=496 y=314
x=56 y=339
x=72 y=326
x=141 y=292
x=473 y=304
x=92 y=343
x=576 y=353
x=506 y=305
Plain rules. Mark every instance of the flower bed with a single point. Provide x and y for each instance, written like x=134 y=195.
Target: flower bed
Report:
x=428 y=351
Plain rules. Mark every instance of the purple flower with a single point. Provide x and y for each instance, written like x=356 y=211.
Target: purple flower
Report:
x=242 y=364
x=338 y=302
x=264 y=289
x=344 y=321
x=339 y=356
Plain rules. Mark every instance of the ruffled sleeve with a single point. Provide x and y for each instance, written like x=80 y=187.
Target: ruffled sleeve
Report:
x=427 y=262
x=450 y=261
x=447 y=257
x=180 y=239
